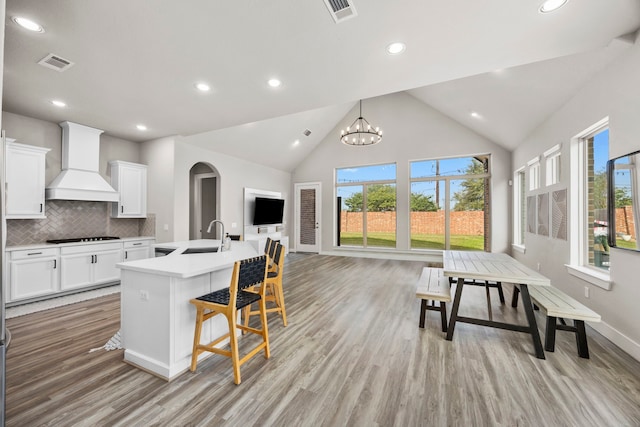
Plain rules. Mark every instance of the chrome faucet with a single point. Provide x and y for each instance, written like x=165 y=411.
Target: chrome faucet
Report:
x=222 y=235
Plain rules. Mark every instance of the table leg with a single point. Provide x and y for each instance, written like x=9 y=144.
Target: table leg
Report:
x=531 y=318
x=454 y=309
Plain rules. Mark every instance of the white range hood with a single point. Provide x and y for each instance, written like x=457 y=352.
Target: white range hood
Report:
x=80 y=178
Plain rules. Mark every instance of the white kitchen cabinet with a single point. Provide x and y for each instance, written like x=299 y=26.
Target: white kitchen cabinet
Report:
x=130 y=180
x=24 y=176
x=138 y=249
x=33 y=273
x=88 y=265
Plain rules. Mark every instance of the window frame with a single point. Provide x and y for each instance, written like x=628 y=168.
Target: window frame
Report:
x=533 y=167
x=553 y=165
x=447 y=199
x=364 y=185
x=578 y=259
x=519 y=209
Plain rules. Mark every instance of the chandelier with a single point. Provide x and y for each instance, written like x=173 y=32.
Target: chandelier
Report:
x=361 y=132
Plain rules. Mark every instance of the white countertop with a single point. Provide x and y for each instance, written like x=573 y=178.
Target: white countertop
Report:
x=58 y=245
x=182 y=265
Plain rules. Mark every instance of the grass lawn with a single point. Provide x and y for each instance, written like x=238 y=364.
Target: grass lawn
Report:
x=419 y=241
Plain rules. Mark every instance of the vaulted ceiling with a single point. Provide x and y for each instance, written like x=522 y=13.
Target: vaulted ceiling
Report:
x=136 y=62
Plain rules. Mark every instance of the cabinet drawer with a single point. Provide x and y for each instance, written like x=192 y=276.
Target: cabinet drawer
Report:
x=91 y=248
x=34 y=253
x=138 y=244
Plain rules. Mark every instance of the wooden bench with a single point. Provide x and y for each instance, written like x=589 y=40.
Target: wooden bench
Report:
x=433 y=286
x=559 y=306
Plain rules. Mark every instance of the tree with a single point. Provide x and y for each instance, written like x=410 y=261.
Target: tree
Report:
x=623 y=197
x=422 y=203
x=600 y=190
x=380 y=198
x=471 y=195
x=354 y=202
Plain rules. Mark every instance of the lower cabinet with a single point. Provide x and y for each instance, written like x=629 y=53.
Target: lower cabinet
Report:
x=43 y=272
x=87 y=265
x=137 y=250
x=33 y=273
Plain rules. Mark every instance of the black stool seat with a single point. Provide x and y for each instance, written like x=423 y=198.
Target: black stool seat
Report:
x=221 y=296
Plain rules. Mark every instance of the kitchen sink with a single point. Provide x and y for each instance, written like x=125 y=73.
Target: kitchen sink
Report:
x=200 y=250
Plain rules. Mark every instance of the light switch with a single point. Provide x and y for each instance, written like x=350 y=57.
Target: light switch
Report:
x=166 y=227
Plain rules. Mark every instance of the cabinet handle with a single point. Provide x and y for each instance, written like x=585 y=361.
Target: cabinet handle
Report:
x=35 y=253
x=125 y=254
x=55 y=264
x=137 y=244
x=40 y=207
x=122 y=209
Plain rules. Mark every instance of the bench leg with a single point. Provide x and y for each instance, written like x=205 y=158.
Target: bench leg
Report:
x=443 y=315
x=514 y=298
x=486 y=287
x=500 y=293
x=581 y=339
x=550 y=335
x=423 y=312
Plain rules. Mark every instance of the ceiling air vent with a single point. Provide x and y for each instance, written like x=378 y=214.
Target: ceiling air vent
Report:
x=340 y=9
x=55 y=62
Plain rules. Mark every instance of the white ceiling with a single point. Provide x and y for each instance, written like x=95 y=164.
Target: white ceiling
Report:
x=137 y=62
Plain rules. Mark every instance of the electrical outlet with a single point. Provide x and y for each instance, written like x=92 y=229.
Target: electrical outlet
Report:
x=166 y=227
x=586 y=292
x=234 y=225
x=144 y=295
x=538 y=266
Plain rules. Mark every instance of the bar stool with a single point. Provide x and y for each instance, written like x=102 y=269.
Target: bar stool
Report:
x=246 y=273
x=273 y=288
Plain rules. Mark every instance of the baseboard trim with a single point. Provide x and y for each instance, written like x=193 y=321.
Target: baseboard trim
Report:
x=628 y=345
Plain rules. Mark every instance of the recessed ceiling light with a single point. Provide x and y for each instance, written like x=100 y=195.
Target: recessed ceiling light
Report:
x=551 y=5
x=396 y=48
x=203 y=87
x=58 y=103
x=296 y=142
x=475 y=115
x=274 y=82
x=141 y=127
x=28 y=24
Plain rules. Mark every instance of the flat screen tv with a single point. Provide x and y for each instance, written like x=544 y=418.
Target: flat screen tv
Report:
x=268 y=211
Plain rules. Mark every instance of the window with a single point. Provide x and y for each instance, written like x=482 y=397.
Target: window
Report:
x=519 y=209
x=552 y=165
x=366 y=200
x=534 y=173
x=589 y=247
x=449 y=203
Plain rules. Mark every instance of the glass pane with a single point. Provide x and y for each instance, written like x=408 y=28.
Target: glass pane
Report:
x=427 y=215
x=447 y=167
x=598 y=154
x=366 y=174
x=307 y=218
x=381 y=215
x=624 y=189
x=351 y=225
x=466 y=222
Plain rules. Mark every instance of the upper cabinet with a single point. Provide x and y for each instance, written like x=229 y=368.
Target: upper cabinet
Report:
x=130 y=180
x=24 y=176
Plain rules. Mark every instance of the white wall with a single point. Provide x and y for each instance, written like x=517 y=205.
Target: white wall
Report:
x=158 y=155
x=235 y=175
x=615 y=93
x=411 y=131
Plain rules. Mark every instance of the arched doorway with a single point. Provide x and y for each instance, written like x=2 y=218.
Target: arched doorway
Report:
x=204 y=198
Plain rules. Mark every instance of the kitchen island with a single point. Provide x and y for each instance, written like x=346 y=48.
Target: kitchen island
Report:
x=157 y=320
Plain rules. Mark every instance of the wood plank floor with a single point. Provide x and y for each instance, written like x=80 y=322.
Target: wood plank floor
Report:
x=352 y=355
